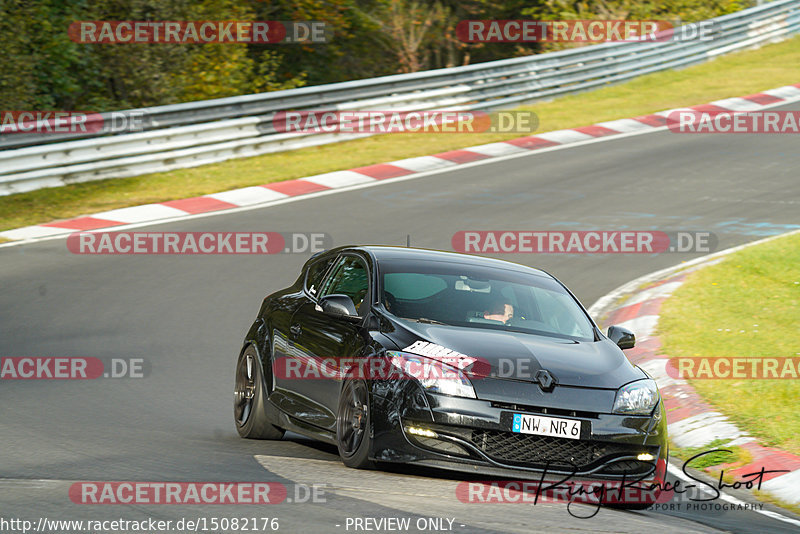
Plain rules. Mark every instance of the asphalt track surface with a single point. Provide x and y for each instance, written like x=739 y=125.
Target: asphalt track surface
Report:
x=186 y=316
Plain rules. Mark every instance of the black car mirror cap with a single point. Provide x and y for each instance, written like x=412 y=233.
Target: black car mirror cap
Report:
x=340 y=306
x=624 y=338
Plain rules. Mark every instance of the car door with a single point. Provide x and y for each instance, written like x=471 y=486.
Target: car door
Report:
x=325 y=343
x=282 y=350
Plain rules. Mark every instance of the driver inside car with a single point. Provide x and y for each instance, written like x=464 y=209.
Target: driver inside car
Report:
x=499 y=310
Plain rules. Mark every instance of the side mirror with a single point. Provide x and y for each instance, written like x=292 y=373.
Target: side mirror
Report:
x=340 y=306
x=623 y=337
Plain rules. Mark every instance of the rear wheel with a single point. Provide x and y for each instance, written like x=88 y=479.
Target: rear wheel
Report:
x=249 y=399
x=353 y=425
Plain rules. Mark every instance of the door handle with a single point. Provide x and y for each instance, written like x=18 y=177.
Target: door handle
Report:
x=296 y=330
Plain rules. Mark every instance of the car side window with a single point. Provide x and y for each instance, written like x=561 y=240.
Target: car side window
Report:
x=349 y=278
x=316 y=274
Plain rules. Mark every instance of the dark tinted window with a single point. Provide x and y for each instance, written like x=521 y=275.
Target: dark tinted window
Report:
x=480 y=297
x=349 y=278
x=412 y=286
x=316 y=272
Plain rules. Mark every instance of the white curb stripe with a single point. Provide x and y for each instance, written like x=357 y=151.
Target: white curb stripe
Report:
x=784 y=487
x=643 y=326
x=565 y=136
x=786 y=92
x=33 y=232
x=423 y=163
x=339 y=179
x=497 y=149
x=657 y=368
x=737 y=104
x=248 y=195
x=624 y=125
x=135 y=214
x=667 y=112
x=701 y=429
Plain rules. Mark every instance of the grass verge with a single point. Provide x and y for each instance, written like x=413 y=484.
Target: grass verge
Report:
x=737 y=455
x=736 y=74
x=745 y=306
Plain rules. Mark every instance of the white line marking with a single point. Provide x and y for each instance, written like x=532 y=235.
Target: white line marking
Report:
x=784 y=487
x=678 y=473
x=661 y=291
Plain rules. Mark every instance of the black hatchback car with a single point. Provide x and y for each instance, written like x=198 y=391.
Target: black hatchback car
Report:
x=448 y=360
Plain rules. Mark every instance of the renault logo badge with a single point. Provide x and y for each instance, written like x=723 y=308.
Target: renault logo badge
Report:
x=545 y=380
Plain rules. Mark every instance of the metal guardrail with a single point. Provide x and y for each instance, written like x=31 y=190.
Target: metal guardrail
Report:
x=196 y=133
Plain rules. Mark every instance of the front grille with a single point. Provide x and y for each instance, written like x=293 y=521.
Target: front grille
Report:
x=545 y=411
x=558 y=453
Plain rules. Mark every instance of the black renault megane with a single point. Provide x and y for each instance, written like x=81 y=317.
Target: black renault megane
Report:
x=448 y=360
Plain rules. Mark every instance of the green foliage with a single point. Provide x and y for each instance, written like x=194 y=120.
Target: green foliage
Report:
x=44 y=69
x=702 y=457
x=673 y=10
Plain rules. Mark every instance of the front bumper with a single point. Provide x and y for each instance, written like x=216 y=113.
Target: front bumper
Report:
x=474 y=435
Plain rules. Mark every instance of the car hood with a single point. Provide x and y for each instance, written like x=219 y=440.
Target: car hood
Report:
x=518 y=356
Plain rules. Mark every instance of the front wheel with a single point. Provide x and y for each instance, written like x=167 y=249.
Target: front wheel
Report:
x=249 y=399
x=353 y=419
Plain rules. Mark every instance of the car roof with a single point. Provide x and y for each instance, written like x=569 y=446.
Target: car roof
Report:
x=385 y=253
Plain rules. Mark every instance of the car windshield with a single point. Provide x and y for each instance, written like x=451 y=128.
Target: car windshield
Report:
x=456 y=294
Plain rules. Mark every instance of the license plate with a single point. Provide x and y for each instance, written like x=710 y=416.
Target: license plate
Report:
x=546 y=426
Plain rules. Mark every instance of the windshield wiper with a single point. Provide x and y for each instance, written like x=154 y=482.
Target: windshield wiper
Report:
x=428 y=321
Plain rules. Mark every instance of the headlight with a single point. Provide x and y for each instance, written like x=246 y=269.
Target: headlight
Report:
x=637 y=398
x=433 y=375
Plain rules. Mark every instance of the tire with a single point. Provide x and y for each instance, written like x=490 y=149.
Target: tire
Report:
x=353 y=420
x=250 y=397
